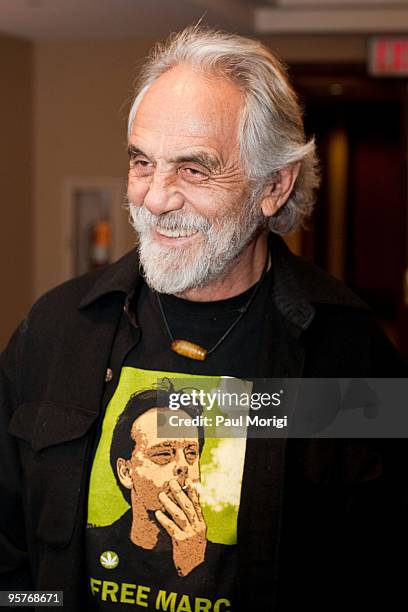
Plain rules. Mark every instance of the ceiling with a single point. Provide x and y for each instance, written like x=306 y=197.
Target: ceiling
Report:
x=64 y=19
x=121 y=19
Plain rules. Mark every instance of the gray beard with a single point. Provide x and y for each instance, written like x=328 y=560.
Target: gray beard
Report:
x=211 y=255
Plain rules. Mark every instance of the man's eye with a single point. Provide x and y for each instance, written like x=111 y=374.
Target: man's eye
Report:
x=141 y=167
x=191 y=455
x=193 y=171
x=193 y=174
x=161 y=457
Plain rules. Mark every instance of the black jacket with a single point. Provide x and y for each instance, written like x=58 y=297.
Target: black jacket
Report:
x=317 y=518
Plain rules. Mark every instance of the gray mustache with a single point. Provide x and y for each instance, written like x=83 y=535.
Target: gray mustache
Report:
x=174 y=220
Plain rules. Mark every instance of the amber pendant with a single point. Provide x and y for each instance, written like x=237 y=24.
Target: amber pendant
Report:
x=189 y=349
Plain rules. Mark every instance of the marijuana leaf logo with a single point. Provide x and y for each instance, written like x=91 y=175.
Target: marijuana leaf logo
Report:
x=109 y=559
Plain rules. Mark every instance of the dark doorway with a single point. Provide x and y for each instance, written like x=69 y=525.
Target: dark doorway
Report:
x=358 y=231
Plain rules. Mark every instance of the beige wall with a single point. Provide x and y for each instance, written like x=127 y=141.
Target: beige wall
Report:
x=81 y=92
x=15 y=182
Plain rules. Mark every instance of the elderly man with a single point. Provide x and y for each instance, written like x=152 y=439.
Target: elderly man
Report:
x=219 y=167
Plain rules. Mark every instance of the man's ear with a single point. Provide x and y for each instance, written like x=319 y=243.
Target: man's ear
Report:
x=122 y=468
x=279 y=189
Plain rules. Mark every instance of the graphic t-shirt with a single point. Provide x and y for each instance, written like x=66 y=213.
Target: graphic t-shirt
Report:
x=163 y=508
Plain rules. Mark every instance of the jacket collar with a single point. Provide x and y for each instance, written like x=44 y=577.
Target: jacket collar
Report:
x=122 y=276
x=298 y=286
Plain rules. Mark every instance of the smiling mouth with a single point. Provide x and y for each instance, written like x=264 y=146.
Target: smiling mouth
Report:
x=175 y=233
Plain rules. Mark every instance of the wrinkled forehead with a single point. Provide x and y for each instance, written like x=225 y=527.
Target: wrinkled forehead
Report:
x=144 y=431
x=184 y=103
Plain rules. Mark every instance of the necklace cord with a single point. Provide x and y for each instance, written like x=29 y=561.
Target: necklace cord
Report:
x=165 y=318
x=242 y=311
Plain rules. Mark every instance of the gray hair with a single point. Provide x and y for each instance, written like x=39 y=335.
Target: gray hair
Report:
x=271 y=133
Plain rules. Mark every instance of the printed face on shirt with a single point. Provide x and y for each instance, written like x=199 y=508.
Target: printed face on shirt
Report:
x=156 y=461
x=190 y=199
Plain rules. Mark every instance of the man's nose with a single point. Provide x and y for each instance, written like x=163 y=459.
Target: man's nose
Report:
x=180 y=470
x=162 y=195
x=180 y=474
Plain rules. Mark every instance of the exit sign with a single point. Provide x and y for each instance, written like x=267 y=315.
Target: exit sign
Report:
x=388 y=57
